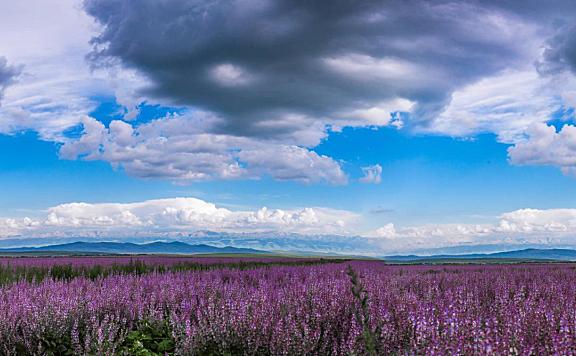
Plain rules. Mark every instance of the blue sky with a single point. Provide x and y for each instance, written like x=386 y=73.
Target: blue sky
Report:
x=427 y=179
x=400 y=133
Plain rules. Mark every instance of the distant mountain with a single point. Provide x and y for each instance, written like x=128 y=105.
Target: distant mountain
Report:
x=526 y=254
x=262 y=241
x=132 y=248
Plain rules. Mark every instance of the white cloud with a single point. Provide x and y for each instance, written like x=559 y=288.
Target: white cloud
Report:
x=176 y=147
x=315 y=227
x=381 y=114
x=16 y=226
x=505 y=104
x=549 y=227
x=516 y=106
x=230 y=75
x=53 y=92
x=364 y=67
x=545 y=146
x=372 y=174
x=293 y=163
x=387 y=231
x=535 y=221
x=92 y=137
x=175 y=215
x=57 y=88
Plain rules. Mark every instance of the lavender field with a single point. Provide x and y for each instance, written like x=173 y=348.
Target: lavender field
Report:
x=325 y=307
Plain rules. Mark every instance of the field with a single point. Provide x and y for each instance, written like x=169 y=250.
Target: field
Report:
x=210 y=306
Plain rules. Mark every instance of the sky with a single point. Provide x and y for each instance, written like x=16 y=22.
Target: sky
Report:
x=374 y=127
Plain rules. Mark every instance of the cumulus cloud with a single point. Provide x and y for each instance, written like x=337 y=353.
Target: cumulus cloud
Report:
x=372 y=174
x=16 y=226
x=293 y=163
x=176 y=147
x=308 y=228
x=175 y=216
x=545 y=145
x=549 y=227
x=536 y=220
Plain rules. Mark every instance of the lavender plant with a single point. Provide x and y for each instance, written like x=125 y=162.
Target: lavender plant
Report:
x=368 y=308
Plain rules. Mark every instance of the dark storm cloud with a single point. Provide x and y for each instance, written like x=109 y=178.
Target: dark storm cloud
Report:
x=559 y=53
x=7 y=75
x=255 y=61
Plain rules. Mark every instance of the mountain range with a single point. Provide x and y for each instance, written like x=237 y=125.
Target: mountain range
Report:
x=525 y=254
x=132 y=248
x=183 y=248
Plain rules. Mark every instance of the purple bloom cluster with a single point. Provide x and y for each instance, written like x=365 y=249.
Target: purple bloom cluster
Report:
x=513 y=309
x=152 y=260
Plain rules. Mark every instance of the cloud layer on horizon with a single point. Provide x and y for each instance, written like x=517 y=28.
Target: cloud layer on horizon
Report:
x=515 y=229
x=297 y=229
x=174 y=216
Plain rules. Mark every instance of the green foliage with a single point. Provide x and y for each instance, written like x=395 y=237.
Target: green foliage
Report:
x=51 y=345
x=66 y=272
x=215 y=347
x=62 y=272
x=57 y=347
x=362 y=314
x=151 y=338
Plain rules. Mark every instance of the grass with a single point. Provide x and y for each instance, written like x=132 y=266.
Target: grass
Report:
x=10 y=274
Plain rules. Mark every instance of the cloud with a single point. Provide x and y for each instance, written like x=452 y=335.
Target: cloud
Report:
x=53 y=89
x=548 y=227
x=293 y=163
x=372 y=174
x=307 y=228
x=258 y=61
x=276 y=77
x=387 y=231
x=16 y=226
x=559 y=53
x=381 y=210
x=285 y=72
x=546 y=146
x=230 y=75
x=56 y=87
x=8 y=75
x=176 y=147
x=505 y=104
x=175 y=216
x=536 y=220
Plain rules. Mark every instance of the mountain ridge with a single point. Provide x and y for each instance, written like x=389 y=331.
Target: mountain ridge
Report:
x=158 y=247
x=553 y=254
